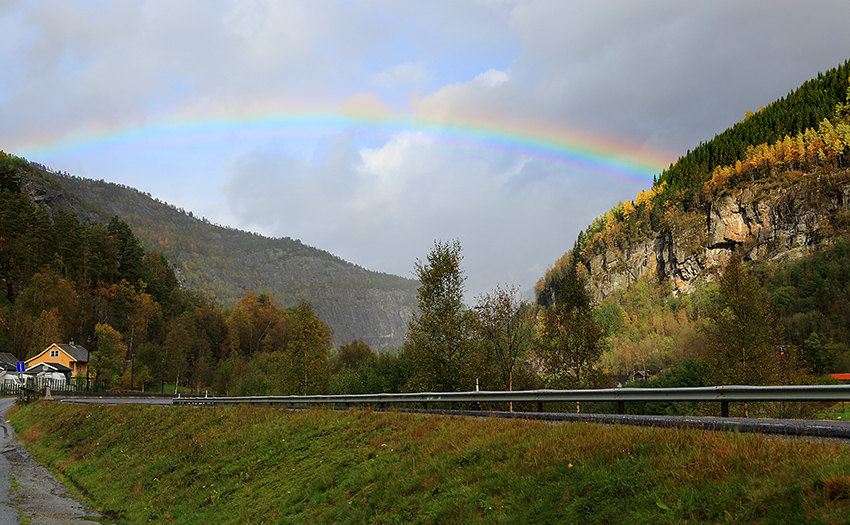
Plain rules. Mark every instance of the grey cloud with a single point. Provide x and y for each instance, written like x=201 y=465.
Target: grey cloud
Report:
x=79 y=64
x=384 y=209
x=665 y=74
x=662 y=73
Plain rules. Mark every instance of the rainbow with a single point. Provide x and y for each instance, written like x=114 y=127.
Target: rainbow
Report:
x=555 y=143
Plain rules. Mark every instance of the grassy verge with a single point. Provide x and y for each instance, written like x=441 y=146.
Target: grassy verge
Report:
x=254 y=465
x=837 y=411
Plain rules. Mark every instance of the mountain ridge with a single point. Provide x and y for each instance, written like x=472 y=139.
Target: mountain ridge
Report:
x=225 y=262
x=718 y=199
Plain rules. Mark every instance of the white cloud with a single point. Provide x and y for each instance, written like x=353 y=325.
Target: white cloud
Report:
x=408 y=73
x=492 y=78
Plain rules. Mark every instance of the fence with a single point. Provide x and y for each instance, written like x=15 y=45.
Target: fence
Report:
x=721 y=394
x=13 y=388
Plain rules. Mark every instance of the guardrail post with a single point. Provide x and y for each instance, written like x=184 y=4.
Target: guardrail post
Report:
x=621 y=407
x=540 y=406
x=724 y=409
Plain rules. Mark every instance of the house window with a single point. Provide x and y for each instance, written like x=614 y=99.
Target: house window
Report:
x=54 y=353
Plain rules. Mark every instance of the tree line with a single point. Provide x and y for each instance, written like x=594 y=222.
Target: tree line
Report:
x=805 y=107
x=94 y=284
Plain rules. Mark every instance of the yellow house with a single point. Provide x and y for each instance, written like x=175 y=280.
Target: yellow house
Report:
x=69 y=355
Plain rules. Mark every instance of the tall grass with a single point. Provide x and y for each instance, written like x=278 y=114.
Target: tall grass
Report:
x=144 y=464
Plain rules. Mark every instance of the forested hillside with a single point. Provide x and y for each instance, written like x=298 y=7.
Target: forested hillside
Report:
x=800 y=140
x=225 y=262
x=92 y=282
x=767 y=200
x=804 y=108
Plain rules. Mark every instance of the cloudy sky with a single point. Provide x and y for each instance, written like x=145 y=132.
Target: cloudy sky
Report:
x=370 y=128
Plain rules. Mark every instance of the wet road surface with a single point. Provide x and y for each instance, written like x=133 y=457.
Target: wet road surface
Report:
x=36 y=494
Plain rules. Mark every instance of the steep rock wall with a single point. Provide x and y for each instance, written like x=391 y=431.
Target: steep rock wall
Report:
x=770 y=220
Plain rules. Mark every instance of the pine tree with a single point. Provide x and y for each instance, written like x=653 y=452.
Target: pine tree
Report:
x=130 y=252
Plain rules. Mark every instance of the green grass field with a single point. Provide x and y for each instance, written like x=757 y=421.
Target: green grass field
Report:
x=144 y=464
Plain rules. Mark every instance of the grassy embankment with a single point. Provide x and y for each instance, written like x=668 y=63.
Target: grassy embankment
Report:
x=255 y=465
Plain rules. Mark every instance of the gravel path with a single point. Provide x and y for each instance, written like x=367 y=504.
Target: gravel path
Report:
x=37 y=494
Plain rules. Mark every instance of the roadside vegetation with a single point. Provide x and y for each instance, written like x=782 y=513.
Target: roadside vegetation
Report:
x=141 y=464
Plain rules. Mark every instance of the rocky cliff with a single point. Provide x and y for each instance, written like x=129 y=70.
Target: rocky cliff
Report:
x=768 y=220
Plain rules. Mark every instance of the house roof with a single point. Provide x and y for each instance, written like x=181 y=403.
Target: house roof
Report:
x=841 y=377
x=7 y=361
x=41 y=367
x=76 y=351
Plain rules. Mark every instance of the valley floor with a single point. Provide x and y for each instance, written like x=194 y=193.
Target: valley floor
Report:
x=259 y=465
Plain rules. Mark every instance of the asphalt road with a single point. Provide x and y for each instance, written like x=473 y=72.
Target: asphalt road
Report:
x=8 y=513
x=38 y=495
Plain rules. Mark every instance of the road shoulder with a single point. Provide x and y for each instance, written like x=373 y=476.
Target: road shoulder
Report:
x=37 y=494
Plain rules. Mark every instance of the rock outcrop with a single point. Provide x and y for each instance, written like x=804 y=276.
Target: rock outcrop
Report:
x=774 y=220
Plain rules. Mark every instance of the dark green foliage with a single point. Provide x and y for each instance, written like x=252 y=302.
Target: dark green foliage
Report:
x=385 y=372
x=810 y=297
x=505 y=330
x=689 y=372
x=742 y=343
x=10 y=172
x=803 y=108
x=571 y=340
x=161 y=281
x=70 y=236
x=102 y=256
x=609 y=315
x=130 y=252
x=354 y=355
x=19 y=251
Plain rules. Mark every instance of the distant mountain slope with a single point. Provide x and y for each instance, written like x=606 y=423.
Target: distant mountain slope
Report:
x=225 y=262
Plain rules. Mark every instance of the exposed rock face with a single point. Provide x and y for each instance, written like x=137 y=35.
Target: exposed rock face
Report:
x=771 y=220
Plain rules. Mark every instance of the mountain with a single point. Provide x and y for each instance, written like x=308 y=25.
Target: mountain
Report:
x=225 y=262
x=773 y=187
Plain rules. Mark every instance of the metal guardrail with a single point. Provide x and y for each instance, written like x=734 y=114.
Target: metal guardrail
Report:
x=722 y=394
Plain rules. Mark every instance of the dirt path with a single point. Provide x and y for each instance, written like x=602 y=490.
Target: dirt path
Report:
x=35 y=493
